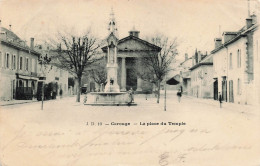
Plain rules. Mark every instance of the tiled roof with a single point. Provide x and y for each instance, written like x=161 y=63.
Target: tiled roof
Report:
x=138 y=39
x=9 y=34
x=11 y=39
x=242 y=32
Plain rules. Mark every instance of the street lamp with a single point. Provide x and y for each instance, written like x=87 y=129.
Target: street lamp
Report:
x=43 y=61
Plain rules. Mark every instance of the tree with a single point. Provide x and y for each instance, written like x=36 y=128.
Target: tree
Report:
x=156 y=66
x=76 y=55
x=98 y=72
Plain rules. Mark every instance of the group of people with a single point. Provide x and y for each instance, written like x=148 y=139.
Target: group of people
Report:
x=179 y=94
x=220 y=99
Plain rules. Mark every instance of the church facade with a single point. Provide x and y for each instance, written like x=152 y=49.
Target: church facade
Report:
x=130 y=51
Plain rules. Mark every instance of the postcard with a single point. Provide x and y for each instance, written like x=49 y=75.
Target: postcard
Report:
x=129 y=83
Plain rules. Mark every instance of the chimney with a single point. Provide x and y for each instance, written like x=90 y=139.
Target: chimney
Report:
x=10 y=27
x=249 y=22
x=134 y=32
x=229 y=36
x=199 y=56
x=186 y=56
x=193 y=60
x=218 y=42
x=32 y=43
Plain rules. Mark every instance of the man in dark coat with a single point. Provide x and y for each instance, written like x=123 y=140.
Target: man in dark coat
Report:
x=220 y=99
x=179 y=95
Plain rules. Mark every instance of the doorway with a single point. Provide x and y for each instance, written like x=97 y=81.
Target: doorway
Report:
x=216 y=89
x=231 y=92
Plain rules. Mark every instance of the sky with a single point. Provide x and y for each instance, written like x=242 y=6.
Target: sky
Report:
x=194 y=22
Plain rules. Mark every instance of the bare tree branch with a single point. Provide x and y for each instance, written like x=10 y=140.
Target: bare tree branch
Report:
x=157 y=65
x=76 y=54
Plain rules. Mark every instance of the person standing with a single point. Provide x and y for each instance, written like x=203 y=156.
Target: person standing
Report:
x=131 y=94
x=220 y=100
x=179 y=95
x=61 y=93
x=85 y=97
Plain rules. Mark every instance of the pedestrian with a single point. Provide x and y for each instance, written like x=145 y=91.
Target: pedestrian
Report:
x=61 y=93
x=131 y=94
x=179 y=95
x=51 y=94
x=86 y=97
x=131 y=97
x=220 y=100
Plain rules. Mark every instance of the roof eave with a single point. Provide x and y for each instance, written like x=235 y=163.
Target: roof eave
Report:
x=200 y=64
x=21 y=47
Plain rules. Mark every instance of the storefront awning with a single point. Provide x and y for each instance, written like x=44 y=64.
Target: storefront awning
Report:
x=27 y=77
x=173 y=81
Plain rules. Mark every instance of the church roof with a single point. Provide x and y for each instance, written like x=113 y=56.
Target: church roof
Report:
x=152 y=47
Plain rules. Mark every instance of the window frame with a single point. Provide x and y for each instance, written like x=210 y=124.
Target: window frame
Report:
x=14 y=61
x=26 y=64
x=2 y=59
x=230 y=61
x=7 y=60
x=238 y=58
x=20 y=63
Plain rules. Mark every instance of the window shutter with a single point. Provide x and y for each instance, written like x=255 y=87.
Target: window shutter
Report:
x=1 y=60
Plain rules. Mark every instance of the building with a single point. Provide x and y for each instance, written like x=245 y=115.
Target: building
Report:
x=185 y=74
x=52 y=73
x=130 y=51
x=18 y=67
x=234 y=64
x=201 y=76
x=256 y=52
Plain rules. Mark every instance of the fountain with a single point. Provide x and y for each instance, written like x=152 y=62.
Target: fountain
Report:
x=111 y=94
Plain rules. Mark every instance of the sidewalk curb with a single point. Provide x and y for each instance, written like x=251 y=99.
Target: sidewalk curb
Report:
x=30 y=101
x=8 y=104
x=229 y=106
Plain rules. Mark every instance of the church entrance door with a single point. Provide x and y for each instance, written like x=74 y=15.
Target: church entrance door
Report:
x=131 y=79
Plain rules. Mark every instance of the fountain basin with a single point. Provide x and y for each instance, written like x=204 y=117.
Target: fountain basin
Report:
x=109 y=99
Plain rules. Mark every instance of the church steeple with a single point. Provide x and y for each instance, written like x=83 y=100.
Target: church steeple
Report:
x=112 y=28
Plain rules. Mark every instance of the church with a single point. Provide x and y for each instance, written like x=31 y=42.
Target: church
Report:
x=130 y=50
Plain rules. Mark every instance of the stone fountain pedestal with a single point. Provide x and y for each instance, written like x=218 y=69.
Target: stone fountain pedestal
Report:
x=109 y=99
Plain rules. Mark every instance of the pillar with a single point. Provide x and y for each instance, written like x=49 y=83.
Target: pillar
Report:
x=123 y=75
x=139 y=80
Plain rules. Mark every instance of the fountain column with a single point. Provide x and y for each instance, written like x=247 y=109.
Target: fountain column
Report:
x=112 y=84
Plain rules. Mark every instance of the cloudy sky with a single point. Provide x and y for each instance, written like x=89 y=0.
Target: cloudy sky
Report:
x=194 y=22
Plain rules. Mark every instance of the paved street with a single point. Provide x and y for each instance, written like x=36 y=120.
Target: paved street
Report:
x=69 y=133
